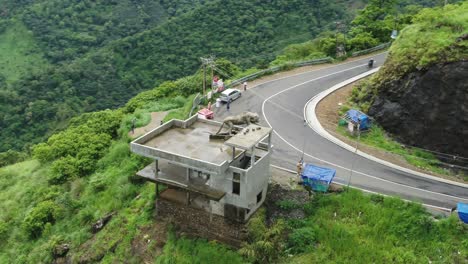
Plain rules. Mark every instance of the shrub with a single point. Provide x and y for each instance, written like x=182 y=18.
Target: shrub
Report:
x=63 y=169
x=287 y=205
x=300 y=240
x=3 y=230
x=43 y=152
x=265 y=242
x=36 y=220
x=11 y=157
x=377 y=198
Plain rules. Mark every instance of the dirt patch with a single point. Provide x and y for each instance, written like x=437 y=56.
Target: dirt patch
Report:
x=285 y=203
x=156 y=118
x=150 y=241
x=286 y=179
x=328 y=116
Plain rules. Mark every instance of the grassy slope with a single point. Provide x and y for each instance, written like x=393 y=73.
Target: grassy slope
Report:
x=411 y=236
x=19 y=54
x=356 y=228
x=111 y=188
x=379 y=139
x=431 y=39
x=380 y=230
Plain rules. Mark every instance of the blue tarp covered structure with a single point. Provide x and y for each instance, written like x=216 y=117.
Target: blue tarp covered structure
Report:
x=355 y=116
x=318 y=178
x=462 y=209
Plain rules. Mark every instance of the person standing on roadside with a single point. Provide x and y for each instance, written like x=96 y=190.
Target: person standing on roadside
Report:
x=133 y=125
x=228 y=104
x=245 y=86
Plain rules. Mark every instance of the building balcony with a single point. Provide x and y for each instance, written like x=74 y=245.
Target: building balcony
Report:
x=176 y=176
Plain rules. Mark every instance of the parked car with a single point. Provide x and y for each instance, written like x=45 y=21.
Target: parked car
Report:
x=232 y=94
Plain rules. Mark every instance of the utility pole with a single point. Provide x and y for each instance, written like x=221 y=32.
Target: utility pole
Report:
x=204 y=79
x=210 y=62
x=340 y=47
x=211 y=86
x=355 y=153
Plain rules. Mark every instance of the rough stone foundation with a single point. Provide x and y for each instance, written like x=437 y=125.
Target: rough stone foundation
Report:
x=200 y=224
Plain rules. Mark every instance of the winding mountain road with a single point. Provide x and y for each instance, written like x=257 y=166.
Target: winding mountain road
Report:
x=281 y=103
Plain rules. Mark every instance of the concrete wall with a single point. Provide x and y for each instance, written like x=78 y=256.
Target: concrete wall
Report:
x=252 y=181
x=257 y=180
x=155 y=132
x=182 y=161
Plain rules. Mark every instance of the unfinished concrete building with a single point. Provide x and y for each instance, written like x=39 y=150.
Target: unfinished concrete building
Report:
x=228 y=178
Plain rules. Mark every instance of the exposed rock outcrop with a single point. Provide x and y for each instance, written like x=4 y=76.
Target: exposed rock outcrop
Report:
x=427 y=108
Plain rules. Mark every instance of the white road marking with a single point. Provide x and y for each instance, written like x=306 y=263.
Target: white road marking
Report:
x=333 y=164
x=325 y=68
x=369 y=191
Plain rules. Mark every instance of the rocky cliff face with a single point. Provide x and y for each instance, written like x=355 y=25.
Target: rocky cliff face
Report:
x=427 y=108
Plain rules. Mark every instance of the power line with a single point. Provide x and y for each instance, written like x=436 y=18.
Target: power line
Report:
x=206 y=61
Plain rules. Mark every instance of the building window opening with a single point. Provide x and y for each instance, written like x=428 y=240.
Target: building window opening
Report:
x=259 y=197
x=236 y=183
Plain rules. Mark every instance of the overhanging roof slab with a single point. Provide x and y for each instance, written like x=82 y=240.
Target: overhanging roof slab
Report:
x=248 y=137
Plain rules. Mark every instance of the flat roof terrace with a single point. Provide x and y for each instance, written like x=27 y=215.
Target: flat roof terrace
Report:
x=193 y=142
x=187 y=143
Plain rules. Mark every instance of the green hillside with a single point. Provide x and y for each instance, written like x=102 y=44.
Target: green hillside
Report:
x=19 y=53
x=86 y=171
x=437 y=36
x=100 y=60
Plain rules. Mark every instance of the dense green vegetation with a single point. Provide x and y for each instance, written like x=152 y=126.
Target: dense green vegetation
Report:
x=86 y=171
x=435 y=37
x=372 y=25
x=354 y=228
x=372 y=228
x=188 y=251
x=69 y=29
x=377 y=138
x=104 y=52
x=19 y=54
x=80 y=175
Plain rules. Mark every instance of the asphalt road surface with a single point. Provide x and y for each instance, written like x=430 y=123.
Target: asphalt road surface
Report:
x=281 y=104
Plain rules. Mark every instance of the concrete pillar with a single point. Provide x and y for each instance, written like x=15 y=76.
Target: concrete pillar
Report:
x=233 y=153
x=269 y=141
x=211 y=212
x=252 y=158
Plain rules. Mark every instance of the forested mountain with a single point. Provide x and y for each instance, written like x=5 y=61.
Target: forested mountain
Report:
x=98 y=54
x=85 y=173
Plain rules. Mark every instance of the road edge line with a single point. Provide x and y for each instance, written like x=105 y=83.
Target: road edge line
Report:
x=312 y=120
x=372 y=192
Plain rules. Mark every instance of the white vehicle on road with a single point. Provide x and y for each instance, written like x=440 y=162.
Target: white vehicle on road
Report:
x=232 y=94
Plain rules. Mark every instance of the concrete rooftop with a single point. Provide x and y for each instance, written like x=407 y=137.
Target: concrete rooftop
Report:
x=193 y=142
x=248 y=137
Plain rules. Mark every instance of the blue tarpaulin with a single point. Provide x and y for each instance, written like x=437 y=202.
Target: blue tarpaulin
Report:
x=318 y=178
x=462 y=209
x=357 y=116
